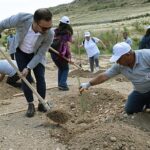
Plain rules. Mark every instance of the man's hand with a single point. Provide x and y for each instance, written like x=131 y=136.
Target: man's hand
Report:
x=25 y=72
x=84 y=86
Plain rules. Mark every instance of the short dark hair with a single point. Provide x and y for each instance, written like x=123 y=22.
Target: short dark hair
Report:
x=64 y=27
x=42 y=14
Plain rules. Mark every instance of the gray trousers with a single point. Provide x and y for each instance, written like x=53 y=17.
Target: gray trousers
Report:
x=92 y=60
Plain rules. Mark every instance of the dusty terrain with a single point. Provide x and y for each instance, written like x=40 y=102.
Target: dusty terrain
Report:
x=97 y=118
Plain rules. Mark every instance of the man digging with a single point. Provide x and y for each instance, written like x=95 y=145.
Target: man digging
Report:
x=135 y=66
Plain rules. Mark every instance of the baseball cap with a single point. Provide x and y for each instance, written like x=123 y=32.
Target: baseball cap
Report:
x=87 y=33
x=119 y=49
x=65 y=20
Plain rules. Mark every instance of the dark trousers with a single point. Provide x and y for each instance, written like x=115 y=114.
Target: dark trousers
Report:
x=39 y=72
x=137 y=101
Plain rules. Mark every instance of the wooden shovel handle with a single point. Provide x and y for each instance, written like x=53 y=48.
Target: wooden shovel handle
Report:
x=56 y=52
x=26 y=81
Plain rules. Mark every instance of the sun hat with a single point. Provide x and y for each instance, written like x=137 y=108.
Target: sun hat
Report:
x=87 y=34
x=119 y=49
x=65 y=20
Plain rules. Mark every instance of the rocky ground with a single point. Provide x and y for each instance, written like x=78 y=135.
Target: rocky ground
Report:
x=97 y=120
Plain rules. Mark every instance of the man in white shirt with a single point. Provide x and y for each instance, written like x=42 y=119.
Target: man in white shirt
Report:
x=92 y=50
x=7 y=69
x=32 y=41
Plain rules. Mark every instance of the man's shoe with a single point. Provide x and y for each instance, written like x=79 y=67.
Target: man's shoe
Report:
x=16 y=85
x=41 y=108
x=63 y=88
x=31 y=110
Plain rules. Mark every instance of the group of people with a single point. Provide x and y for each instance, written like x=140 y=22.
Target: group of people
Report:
x=34 y=37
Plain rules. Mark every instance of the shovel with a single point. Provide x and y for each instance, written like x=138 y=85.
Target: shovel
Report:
x=45 y=103
x=56 y=52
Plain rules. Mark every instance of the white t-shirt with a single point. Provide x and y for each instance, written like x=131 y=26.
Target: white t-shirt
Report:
x=91 y=47
x=6 y=68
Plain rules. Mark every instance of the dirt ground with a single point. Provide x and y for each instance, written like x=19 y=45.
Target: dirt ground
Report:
x=97 y=120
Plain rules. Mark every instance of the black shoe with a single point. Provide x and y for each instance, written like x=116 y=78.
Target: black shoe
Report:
x=63 y=88
x=31 y=110
x=16 y=85
x=41 y=108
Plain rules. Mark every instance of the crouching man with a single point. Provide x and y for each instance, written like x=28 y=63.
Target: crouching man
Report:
x=135 y=66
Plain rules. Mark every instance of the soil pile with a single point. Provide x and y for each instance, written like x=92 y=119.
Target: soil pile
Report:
x=99 y=122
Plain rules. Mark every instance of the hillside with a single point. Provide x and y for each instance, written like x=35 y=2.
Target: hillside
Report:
x=84 y=12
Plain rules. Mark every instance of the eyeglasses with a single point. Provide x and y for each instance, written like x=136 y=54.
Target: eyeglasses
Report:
x=44 y=28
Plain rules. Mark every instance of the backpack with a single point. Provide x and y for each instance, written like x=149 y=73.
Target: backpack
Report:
x=92 y=40
x=56 y=44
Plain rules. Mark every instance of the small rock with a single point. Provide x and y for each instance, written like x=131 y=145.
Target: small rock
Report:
x=113 y=139
x=95 y=94
x=73 y=121
x=72 y=105
x=132 y=117
x=4 y=138
x=148 y=144
x=132 y=148
x=105 y=144
x=125 y=115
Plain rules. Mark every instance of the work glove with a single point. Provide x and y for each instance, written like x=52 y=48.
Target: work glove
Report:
x=84 y=86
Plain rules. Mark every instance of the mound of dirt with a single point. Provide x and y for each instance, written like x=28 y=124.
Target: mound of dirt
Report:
x=110 y=136
x=7 y=91
x=98 y=122
x=58 y=116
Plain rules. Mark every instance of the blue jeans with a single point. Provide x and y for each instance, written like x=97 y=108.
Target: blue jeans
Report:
x=93 y=59
x=137 y=101
x=39 y=72
x=63 y=70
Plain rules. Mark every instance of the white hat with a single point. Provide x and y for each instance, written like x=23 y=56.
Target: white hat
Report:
x=87 y=34
x=119 y=49
x=65 y=20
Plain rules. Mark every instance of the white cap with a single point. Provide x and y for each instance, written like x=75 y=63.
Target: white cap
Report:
x=87 y=34
x=119 y=49
x=65 y=20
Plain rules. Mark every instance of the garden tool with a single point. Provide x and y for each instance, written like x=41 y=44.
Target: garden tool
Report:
x=45 y=103
x=56 y=52
x=79 y=50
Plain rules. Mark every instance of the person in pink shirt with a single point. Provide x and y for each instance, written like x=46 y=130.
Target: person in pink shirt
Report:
x=62 y=39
